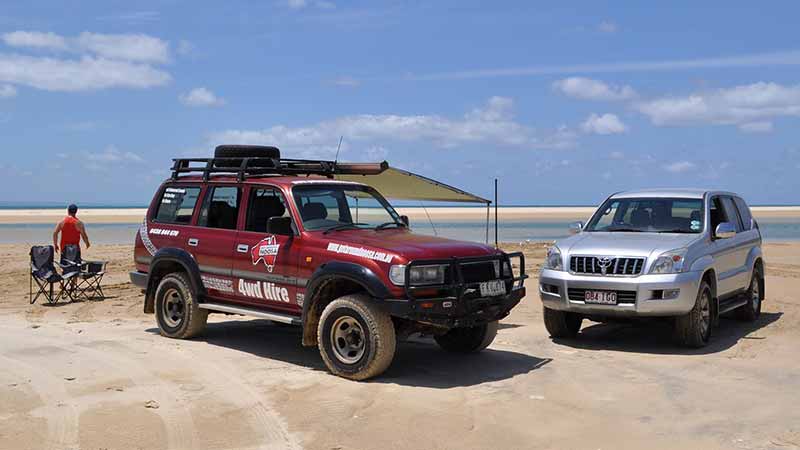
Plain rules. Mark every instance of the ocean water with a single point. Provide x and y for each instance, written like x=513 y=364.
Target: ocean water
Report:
x=777 y=229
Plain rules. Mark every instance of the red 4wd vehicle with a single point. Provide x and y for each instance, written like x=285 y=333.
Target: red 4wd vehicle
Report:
x=249 y=233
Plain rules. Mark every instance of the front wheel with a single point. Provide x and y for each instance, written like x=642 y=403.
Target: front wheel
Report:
x=177 y=312
x=468 y=339
x=694 y=328
x=356 y=338
x=562 y=324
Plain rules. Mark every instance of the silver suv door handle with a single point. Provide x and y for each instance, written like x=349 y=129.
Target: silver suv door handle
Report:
x=242 y=248
x=193 y=242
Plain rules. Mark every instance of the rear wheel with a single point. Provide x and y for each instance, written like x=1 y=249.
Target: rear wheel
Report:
x=561 y=324
x=356 y=338
x=751 y=310
x=694 y=328
x=468 y=339
x=177 y=312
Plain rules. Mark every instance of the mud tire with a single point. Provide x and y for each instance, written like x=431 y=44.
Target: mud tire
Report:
x=751 y=311
x=694 y=329
x=373 y=326
x=562 y=324
x=468 y=339
x=177 y=312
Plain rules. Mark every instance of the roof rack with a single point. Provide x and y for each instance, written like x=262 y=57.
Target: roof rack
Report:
x=244 y=168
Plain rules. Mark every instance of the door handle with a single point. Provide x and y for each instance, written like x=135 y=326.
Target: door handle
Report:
x=242 y=248
x=193 y=242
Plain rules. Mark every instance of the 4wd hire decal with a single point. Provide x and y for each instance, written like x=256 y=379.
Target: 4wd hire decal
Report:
x=361 y=252
x=266 y=251
x=263 y=290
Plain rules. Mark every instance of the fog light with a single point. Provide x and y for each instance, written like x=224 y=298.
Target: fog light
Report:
x=669 y=294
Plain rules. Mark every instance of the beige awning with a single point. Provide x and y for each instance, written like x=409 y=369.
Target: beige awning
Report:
x=399 y=184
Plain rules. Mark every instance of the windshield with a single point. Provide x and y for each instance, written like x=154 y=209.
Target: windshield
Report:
x=654 y=215
x=325 y=207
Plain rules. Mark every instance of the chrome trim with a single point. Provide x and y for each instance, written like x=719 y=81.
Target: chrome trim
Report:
x=275 y=317
x=616 y=261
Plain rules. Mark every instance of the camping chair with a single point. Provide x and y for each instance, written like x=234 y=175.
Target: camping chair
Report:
x=43 y=272
x=91 y=275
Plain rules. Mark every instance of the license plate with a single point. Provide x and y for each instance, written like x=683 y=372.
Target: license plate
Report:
x=493 y=288
x=600 y=297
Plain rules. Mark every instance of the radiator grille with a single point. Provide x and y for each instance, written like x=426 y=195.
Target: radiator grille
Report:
x=613 y=266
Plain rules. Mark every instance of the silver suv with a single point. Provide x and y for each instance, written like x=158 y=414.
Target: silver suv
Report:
x=691 y=255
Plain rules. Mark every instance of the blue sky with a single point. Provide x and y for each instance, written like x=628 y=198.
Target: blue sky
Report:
x=565 y=104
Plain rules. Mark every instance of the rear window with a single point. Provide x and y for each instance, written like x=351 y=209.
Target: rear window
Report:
x=176 y=204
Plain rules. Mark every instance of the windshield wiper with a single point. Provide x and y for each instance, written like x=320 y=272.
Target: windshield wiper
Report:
x=344 y=226
x=677 y=230
x=631 y=230
x=386 y=225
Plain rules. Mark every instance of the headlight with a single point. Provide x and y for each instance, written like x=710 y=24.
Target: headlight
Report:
x=419 y=275
x=670 y=262
x=553 y=259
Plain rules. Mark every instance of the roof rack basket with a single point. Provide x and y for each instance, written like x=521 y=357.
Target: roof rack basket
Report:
x=247 y=167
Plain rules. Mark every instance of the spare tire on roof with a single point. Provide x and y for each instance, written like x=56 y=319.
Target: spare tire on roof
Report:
x=246 y=151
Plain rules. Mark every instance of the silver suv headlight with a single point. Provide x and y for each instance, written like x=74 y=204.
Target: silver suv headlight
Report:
x=418 y=275
x=672 y=261
x=553 y=260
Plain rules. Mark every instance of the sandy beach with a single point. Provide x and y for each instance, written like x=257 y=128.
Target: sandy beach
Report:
x=445 y=214
x=96 y=375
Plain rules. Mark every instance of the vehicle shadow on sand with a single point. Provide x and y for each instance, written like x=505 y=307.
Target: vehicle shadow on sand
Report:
x=418 y=362
x=656 y=337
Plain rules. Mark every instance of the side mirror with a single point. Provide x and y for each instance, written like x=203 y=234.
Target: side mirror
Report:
x=575 y=227
x=725 y=230
x=280 y=225
x=404 y=219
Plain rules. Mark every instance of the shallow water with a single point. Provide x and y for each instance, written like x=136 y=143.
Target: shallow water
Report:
x=512 y=231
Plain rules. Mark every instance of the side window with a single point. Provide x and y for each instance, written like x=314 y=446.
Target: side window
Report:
x=732 y=213
x=744 y=211
x=717 y=213
x=220 y=208
x=177 y=205
x=264 y=203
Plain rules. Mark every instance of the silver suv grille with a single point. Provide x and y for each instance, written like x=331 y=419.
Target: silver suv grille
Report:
x=603 y=265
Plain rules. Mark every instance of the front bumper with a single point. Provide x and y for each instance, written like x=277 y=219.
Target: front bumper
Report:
x=646 y=288
x=139 y=279
x=451 y=312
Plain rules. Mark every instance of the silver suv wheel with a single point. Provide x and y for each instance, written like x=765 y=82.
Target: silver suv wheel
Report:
x=347 y=340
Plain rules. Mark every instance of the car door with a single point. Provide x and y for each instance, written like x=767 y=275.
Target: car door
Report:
x=747 y=239
x=213 y=239
x=724 y=251
x=265 y=261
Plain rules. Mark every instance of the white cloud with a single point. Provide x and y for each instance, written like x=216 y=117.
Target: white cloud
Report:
x=740 y=105
x=103 y=61
x=603 y=124
x=201 y=97
x=589 y=89
x=346 y=82
x=129 y=47
x=787 y=58
x=112 y=155
x=35 y=39
x=616 y=155
x=7 y=91
x=492 y=124
x=134 y=17
x=679 y=166
x=607 y=27
x=87 y=73
x=756 y=127
x=296 y=4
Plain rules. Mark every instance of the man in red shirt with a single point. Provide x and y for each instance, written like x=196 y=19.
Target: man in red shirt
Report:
x=72 y=231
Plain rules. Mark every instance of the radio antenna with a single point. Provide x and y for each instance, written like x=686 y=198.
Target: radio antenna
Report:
x=338 y=147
